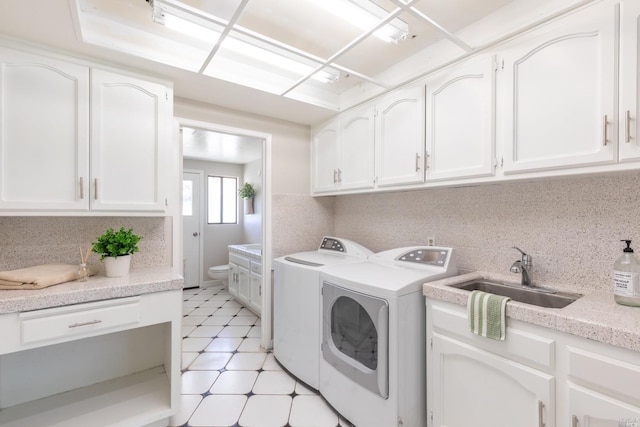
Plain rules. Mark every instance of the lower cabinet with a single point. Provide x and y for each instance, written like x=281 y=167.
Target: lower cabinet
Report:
x=234 y=278
x=536 y=377
x=112 y=362
x=245 y=281
x=478 y=388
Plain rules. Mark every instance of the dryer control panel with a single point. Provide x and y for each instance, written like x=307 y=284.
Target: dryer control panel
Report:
x=429 y=256
x=332 y=244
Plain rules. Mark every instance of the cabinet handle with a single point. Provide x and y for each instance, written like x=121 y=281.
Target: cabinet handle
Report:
x=95 y=188
x=540 y=411
x=574 y=421
x=605 y=131
x=417 y=162
x=81 y=188
x=426 y=160
x=627 y=126
x=339 y=175
x=335 y=174
x=91 y=322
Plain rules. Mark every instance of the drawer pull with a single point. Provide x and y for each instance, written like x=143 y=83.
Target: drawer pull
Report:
x=92 y=322
x=574 y=421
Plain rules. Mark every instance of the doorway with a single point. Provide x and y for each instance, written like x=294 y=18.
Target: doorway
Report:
x=192 y=224
x=221 y=145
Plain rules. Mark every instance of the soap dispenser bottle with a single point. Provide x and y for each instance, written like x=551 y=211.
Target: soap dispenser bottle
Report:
x=626 y=270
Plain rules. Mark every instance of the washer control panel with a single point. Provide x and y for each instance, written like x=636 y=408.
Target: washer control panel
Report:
x=332 y=244
x=429 y=256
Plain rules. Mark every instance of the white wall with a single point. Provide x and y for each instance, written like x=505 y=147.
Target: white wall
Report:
x=298 y=220
x=290 y=142
x=252 y=230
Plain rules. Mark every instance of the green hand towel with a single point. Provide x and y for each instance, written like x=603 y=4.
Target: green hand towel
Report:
x=487 y=315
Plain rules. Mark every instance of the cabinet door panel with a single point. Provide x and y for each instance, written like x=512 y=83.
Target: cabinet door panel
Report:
x=590 y=409
x=325 y=157
x=357 y=163
x=460 y=122
x=560 y=84
x=629 y=77
x=244 y=284
x=476 y=388
x=400 y=138
x=128 y=136
x=44 y=138
x=233 y=279
x=256 y=292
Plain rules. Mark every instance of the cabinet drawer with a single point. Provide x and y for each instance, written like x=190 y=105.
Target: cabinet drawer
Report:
x=522 y=344
x=608 y=375
x=239 y=260
x=91 y=319
x=256 y=267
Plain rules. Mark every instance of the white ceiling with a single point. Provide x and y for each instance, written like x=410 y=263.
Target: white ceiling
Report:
x=297 y=24
x=200 y=144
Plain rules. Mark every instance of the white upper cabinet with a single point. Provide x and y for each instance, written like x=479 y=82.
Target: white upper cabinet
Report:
x=559 y=87
x=629 y=76
x=325 y=149
x=44 y=133
x=78 y=139
x=460 y=121
x=342 y=152
x=356 y=167
x=400 y=143
x=128 y=140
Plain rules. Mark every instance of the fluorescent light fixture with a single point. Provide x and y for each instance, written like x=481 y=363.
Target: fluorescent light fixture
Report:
x=365 y=15
x=266 y=56
x=189 y=26
x=184 y=26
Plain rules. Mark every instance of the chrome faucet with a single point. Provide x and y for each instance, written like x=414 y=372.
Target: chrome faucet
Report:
x=524 y=266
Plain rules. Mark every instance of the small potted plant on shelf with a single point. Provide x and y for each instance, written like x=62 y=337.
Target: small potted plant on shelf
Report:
x=247 y=192
x=115 y=249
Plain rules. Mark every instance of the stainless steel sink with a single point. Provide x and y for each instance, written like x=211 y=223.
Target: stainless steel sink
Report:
x=541 y=297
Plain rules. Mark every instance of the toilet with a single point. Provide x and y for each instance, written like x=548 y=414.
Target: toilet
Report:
x=220 y=273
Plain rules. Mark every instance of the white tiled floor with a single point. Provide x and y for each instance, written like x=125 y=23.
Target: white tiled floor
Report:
x=228 y=380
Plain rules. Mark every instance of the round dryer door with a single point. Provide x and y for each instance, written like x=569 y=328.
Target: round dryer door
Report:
x=355 y=336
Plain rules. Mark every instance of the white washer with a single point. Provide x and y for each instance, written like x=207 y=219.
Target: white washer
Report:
x=296 y=304
x=372 y=364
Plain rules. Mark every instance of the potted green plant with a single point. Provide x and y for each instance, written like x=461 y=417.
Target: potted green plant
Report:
x=115 y=249
x=247 y=192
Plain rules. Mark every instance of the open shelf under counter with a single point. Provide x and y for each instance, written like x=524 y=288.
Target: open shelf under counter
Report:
x=134 y=400
x=77 y=358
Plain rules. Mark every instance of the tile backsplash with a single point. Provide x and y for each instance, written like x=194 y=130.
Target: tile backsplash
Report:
x=571 y=226
x=28 y=241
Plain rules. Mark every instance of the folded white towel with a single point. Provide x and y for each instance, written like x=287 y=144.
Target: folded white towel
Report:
x=487 y=315
x=40 y=276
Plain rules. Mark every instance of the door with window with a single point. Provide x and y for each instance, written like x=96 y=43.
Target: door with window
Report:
x=192 y=228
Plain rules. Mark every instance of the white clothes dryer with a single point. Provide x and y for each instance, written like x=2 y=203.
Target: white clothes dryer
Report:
x=296 y=304
x=373 y=365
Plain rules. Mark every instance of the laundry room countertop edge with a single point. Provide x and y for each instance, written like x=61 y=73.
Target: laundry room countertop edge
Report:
x=96 y=288
x=595 y=316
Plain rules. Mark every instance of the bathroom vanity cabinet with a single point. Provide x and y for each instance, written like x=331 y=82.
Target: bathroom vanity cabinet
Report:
x=245 y=276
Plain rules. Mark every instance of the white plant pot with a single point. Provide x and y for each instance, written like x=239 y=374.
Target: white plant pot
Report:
x=117 y=267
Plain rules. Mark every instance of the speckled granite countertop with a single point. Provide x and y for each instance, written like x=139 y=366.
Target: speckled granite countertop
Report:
x=138 y=282
x=595 y=316
x=251 y=250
